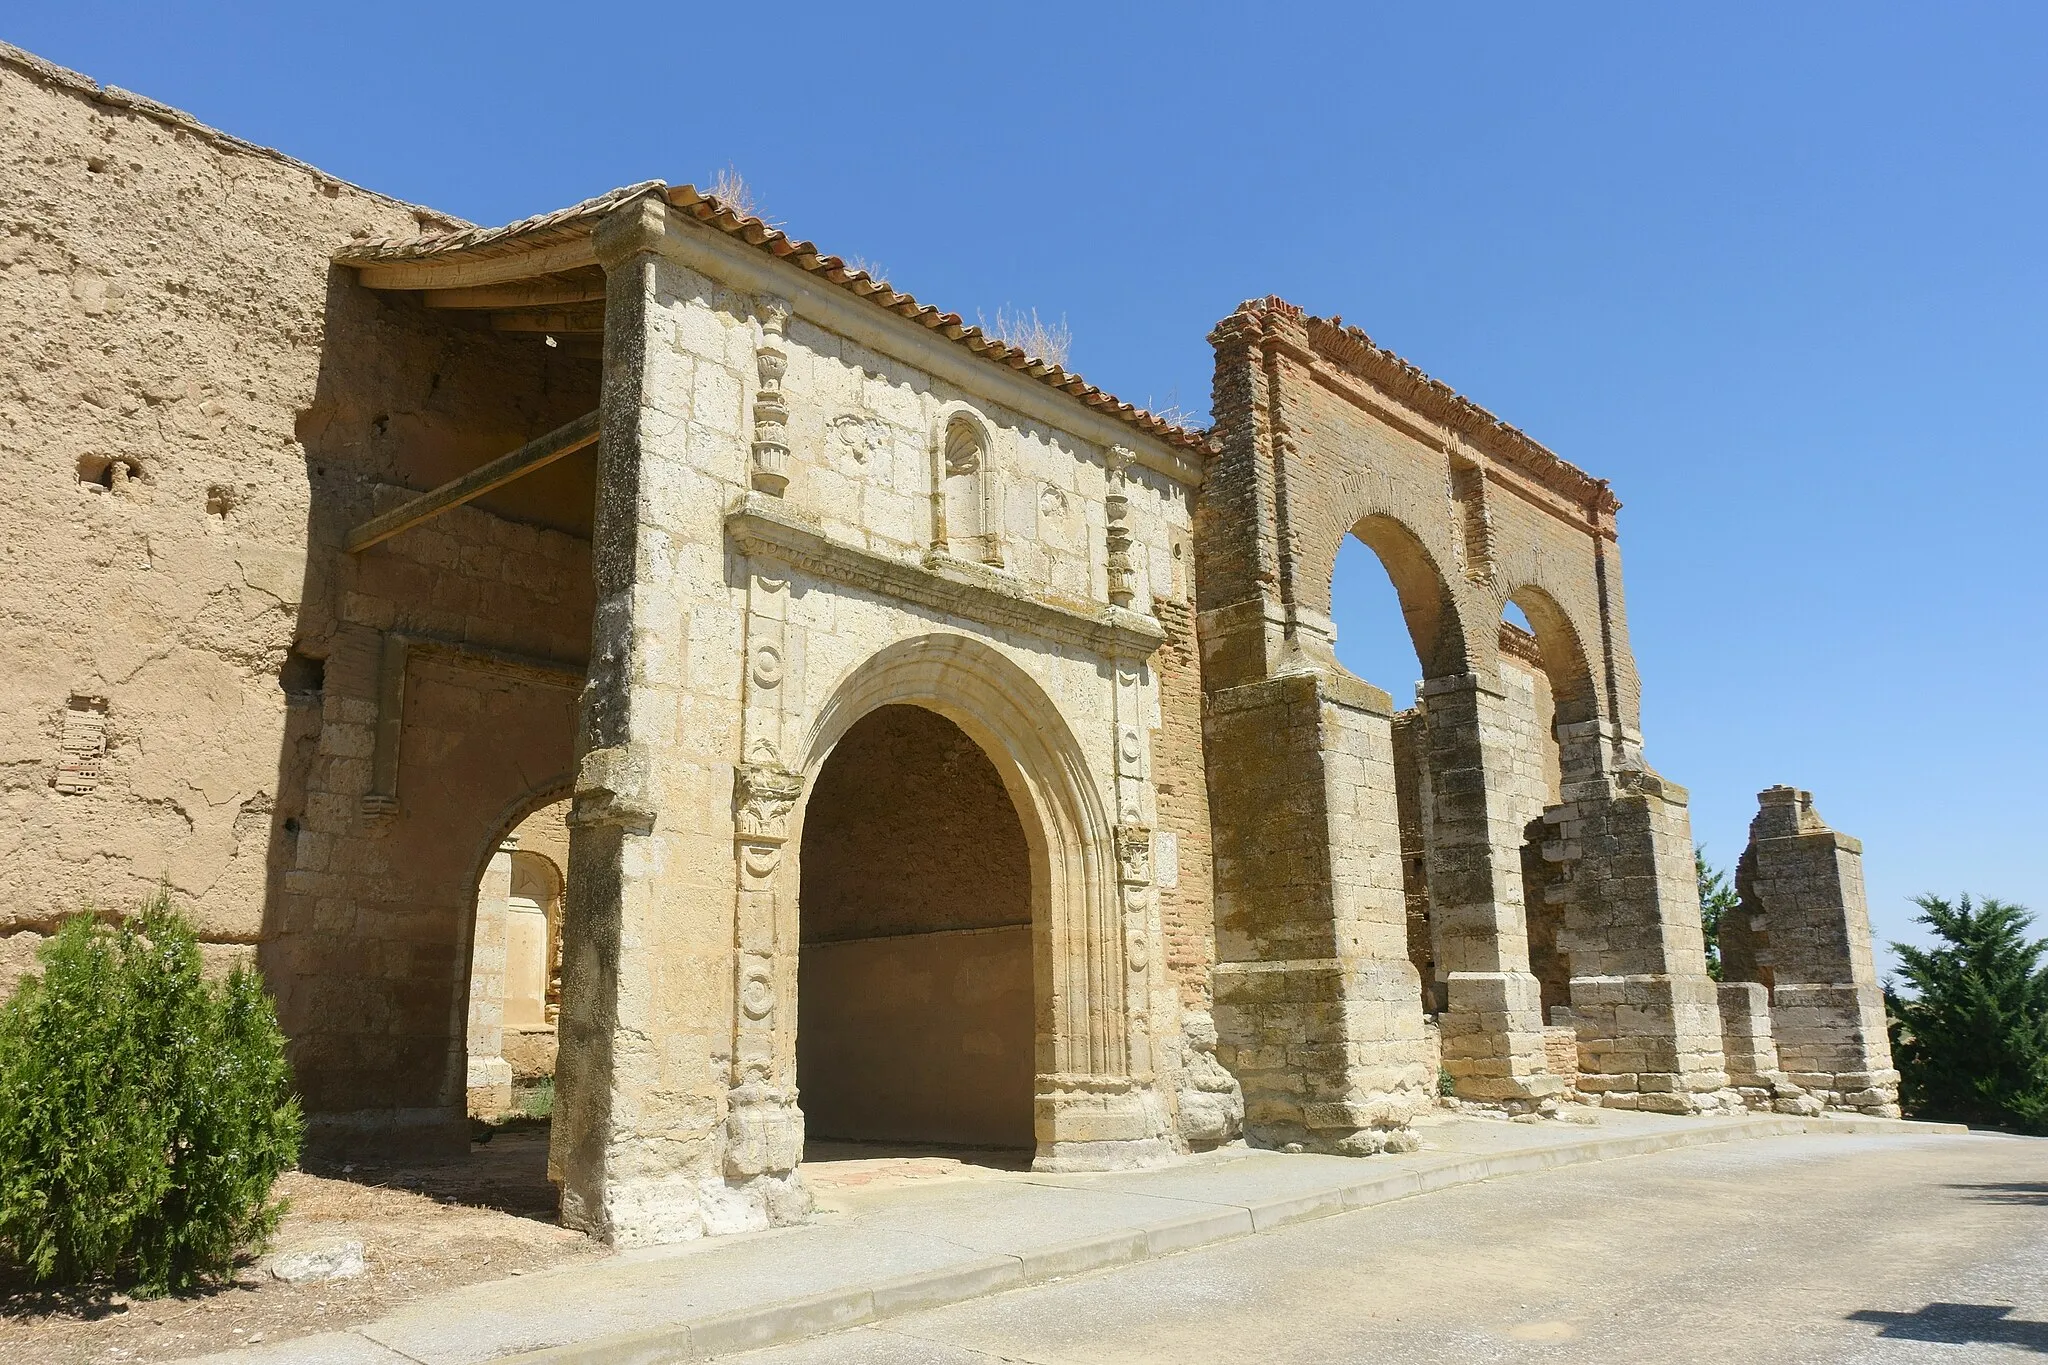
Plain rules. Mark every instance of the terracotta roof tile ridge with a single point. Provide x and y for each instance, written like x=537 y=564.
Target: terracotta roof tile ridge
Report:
x=708 y=209
x=764 y=236
x=468 y=238
x=42 y=69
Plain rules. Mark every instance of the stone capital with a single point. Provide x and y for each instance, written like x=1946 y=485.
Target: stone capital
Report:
x=633 y=229
x=763 y=794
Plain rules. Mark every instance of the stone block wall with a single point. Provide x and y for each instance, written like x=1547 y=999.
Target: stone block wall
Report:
x=1317 y=1004
x=1801 y=885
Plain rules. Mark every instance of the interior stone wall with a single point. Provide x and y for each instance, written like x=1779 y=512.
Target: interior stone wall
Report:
x=915 y=1016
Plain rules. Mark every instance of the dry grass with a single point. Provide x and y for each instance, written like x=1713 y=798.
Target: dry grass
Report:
x=1176 y=412
x=731 y=189
x=1048 y=341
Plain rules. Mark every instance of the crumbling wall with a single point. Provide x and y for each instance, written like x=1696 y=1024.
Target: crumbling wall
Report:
x=164 y=288
x=194 y=408
x=1802 y=883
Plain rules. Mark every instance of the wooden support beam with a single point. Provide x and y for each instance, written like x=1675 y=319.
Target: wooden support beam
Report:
x=461 y=272
x=520 y=294
x=587 y=319
x=545 y=450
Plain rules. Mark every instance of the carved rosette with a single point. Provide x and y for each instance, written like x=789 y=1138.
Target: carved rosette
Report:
x=1117 y=506
x=771 y=407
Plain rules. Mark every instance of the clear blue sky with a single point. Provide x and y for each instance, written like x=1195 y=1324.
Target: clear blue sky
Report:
x=1777 y=271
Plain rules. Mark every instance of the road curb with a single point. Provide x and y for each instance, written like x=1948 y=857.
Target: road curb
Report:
x=795 y=1319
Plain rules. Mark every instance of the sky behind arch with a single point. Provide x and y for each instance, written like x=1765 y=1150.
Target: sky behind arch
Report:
x=1776 y=271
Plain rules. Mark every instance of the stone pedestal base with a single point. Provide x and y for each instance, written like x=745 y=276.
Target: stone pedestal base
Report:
x=1834 y=1047
x=1330 y=1058
x=1493 y=1040
x=1651 y=1042
x=1097 y=1123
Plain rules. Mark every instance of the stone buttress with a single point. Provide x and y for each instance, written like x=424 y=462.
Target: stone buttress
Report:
x=1808 y=936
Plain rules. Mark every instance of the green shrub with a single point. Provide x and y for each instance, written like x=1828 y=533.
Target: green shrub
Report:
x=537 y=1101
x=1971 y=1042
x=144 y=1112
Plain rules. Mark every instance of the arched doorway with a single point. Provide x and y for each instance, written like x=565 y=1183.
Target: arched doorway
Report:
x=915 y=974
x=515 y=968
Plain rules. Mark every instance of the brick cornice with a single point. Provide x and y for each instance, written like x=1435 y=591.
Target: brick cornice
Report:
x=1422 y=407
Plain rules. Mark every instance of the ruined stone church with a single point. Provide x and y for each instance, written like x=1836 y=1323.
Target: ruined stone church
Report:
x=636 y=646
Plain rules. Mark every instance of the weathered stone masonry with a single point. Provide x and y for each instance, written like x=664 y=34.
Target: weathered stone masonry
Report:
x=352 y=536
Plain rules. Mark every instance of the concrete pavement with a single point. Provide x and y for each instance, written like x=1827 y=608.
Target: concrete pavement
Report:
x=884 y=1249
x=1784 y=1251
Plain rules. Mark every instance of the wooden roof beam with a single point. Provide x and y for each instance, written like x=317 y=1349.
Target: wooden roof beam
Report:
x=457 y=271
x=544 y=450
x=519 y=294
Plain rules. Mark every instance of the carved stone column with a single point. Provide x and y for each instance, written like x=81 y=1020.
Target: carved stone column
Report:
x=1117 y=511
x=764 y=1128
x=490 y=1075
x=770 y=451
x=1493 y=1021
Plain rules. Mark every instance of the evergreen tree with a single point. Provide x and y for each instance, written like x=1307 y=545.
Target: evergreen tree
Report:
x=1717 y=898
x=1971 y=1042
x=144 y=1111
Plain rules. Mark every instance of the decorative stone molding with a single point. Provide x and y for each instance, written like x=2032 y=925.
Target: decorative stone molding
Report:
x=763 y=528
x=1117 y=505
x=763 y=796
x=771 y=407
x=1134 y=854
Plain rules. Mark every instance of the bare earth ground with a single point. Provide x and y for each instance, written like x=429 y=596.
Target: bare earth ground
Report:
x=424 y=1228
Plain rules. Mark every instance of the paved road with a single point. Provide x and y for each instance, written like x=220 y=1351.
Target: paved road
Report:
x=1800 y=1249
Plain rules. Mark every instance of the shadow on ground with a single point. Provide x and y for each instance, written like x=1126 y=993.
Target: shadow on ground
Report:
x=1959 y=1324
x=506 y=1169
x=2014 y=1192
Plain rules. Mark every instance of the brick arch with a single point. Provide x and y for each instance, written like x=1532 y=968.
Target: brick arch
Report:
x=1566 y=664
x=1429 y=606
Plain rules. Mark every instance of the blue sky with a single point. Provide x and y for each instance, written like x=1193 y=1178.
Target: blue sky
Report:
x=1776 y=271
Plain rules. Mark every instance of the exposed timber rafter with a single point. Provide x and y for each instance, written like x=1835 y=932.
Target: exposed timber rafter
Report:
x=458 y=272
x=549 y=293
x=544 y=450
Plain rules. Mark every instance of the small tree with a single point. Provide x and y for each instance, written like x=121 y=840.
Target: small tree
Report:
x=1717 y=898
x=144 y=1112
x=1971 y=1042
